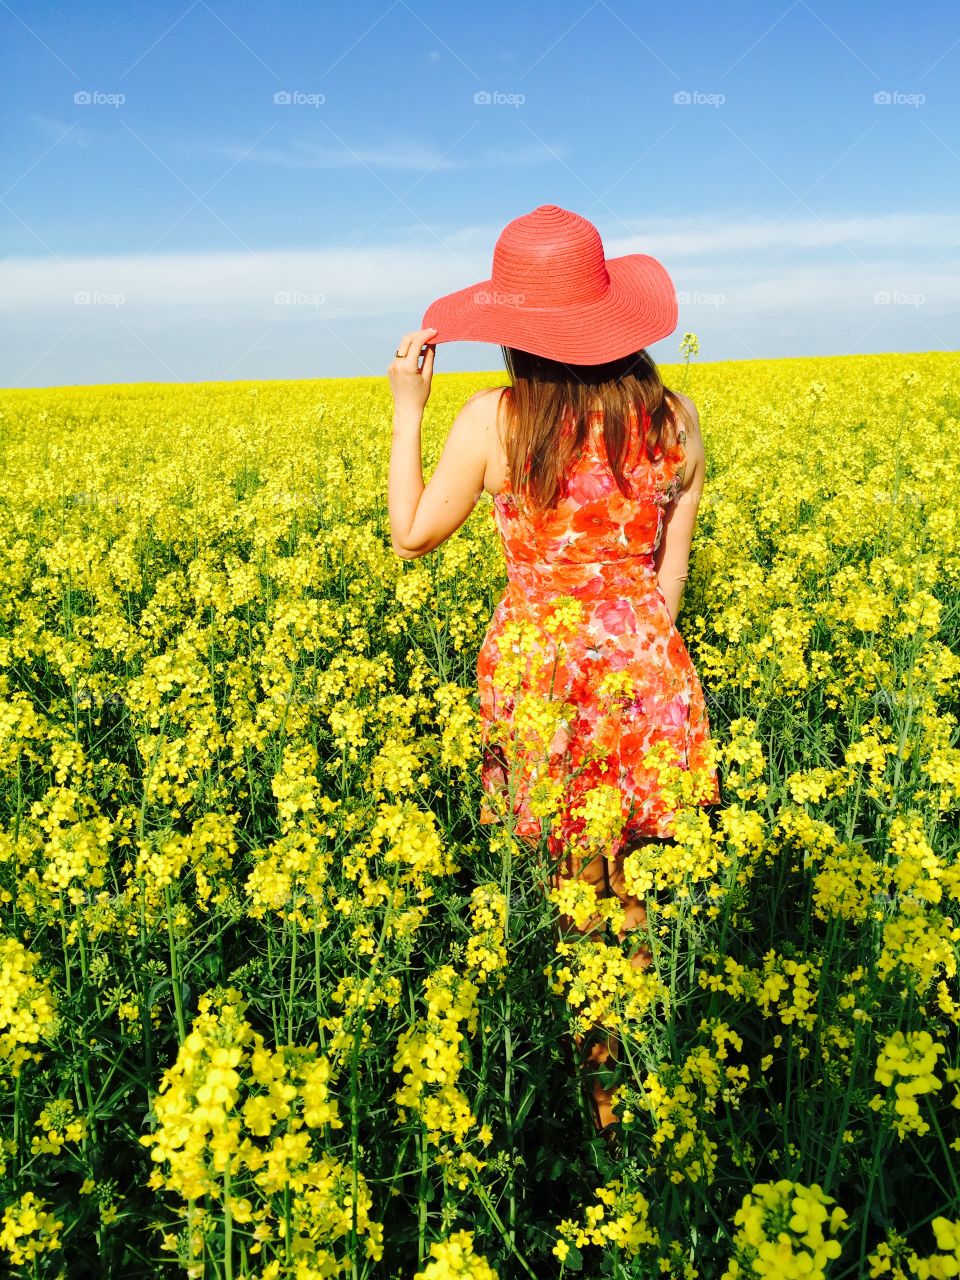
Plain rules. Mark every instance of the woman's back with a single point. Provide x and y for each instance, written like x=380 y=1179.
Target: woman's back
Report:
x=596 y=540
x=598 y=546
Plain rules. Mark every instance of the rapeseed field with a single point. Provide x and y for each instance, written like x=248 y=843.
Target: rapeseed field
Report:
x=274 y=1003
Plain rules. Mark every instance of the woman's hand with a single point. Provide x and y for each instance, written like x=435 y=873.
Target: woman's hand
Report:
x=409 y=380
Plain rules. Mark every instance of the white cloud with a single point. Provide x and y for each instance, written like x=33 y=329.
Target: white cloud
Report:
x=375 y=278
x=61 y=130
x=407 y=157
x=352 y=280
x=690 y=236
x=862 y=233
x=810 y=287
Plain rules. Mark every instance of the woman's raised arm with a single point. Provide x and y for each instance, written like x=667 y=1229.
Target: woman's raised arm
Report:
x=672 y=556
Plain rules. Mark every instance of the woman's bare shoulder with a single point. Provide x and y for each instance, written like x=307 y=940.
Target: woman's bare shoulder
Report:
x=486 y=402
x=487 y=391
x=483 y=410
x=689 y=420
x=688 y=417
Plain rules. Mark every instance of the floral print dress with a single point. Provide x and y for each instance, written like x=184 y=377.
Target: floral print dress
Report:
x=597 y=546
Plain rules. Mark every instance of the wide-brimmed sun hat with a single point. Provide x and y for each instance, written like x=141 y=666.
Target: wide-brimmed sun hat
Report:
x=554 y=293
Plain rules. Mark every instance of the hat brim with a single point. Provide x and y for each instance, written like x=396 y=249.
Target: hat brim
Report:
x=638 y=309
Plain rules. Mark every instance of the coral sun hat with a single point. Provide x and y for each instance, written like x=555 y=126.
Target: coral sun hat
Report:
x=553 y=293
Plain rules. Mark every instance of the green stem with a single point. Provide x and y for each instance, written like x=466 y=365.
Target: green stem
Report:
x=228 y=1224
x=291 y=993
x=174 y=967
x=847 y=1098
x=422 y=1211
x=948 y=1157
x=507 y=877
x=354 y=1058
x=868 y=1199
x=484 y=1199
x=317 y=985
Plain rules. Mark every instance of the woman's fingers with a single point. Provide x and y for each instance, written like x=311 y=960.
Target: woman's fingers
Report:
x=411 y=343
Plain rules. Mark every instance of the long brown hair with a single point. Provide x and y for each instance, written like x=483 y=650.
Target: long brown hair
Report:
x=547 y=406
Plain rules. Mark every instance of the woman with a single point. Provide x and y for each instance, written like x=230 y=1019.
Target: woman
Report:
x=597 y=472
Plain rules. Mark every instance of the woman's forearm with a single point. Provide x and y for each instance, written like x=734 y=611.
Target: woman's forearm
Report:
x=405 y=483
x=672 y=588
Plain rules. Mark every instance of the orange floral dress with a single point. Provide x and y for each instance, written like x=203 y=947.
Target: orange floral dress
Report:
x=596 y=545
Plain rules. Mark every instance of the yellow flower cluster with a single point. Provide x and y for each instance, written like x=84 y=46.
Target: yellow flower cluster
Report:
x=682 y=1147
x=917 y=870
x=28 y=1229
x=603 y=813
x=895 y=1259
x=910 y=1058
x=680 y=1099
x=59 y=1124
x=782 y=987
x=941 y=760
x=564 y=617
x=454 y=1259
x=616 y=684
x=810 y=786
x=745 y=759
x=486 y=946
x=534 y=742
x=872 y=750
x=546 y=793
x=460 y=730
x=411 y=840
x=680 y=787
x=579 y=900
x=202 y=858
x=295 y=785
x=290 y=877
x=357 y=995
x=431 y=1056
x=785 y=1231
x=396 y=769
x=238 y=1123
x=790 y=987
x=28 y=1006
x=847 y=883
x=522 y=658
x=620 y=1217
x=697 y=854
x=919 y=943
x=602 y=986
x=536 y=721
x=77 y=850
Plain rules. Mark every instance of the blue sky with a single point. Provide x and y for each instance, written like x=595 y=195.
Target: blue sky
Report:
x=219 y=191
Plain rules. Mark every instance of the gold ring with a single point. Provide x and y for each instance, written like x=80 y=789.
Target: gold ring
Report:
x=400 y=354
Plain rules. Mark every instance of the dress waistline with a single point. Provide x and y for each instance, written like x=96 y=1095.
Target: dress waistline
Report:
x=635 y=574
